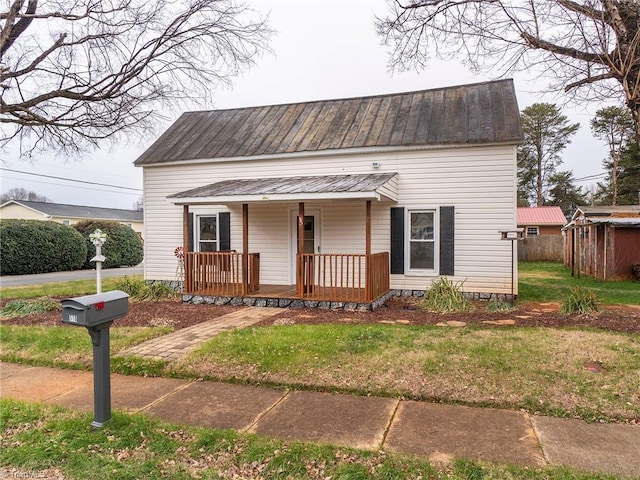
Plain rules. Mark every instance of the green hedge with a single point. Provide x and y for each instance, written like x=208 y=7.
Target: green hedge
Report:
x=122 y=248
x=36 y=246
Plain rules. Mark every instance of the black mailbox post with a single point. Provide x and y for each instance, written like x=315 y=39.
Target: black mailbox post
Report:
x=96 y=313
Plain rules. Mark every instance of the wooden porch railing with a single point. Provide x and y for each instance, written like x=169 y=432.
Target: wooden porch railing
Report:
x=342 y=277
x=220 y=273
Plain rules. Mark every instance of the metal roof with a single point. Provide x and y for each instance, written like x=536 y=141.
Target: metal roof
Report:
x=617 y=221
x=618 y=210
x=540 y=216
x=374 y=186
x=81 y=211
x=468 y=114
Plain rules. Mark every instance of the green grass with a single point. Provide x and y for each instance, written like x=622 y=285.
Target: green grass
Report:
x=65 y=346
x=552 y=282
x=62 y=289
x=541 y=370
x=130 y=447
x=537 y=369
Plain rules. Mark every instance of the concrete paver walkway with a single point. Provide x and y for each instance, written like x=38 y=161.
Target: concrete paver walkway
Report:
x=437 y=432
x=177 y=344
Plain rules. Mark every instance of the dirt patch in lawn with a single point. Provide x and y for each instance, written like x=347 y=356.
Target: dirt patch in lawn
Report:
x=174 y=313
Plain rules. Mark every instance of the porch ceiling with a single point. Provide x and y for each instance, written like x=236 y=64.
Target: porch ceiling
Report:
x=372 y=186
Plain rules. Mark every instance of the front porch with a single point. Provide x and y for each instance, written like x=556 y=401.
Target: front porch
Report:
x=351 y=278
x=292 y=247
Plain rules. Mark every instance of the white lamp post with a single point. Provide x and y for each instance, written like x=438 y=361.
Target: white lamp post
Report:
x=98 y=238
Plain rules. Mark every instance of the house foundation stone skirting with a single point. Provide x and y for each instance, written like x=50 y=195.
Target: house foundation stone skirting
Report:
x=287 y=302
x=327 y=305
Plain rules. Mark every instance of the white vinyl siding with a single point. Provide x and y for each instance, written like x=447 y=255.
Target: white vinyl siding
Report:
x=480 y=182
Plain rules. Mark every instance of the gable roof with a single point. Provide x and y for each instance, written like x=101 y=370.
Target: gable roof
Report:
x=361 y=186
x=80 y=211
x=540 y=216
x=468 y=114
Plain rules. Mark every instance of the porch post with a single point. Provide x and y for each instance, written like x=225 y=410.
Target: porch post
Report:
x=186 y=242
x=245 y=248
x=367 y=249
x=299 y=263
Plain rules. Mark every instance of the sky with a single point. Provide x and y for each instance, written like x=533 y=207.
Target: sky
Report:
x=322 y=49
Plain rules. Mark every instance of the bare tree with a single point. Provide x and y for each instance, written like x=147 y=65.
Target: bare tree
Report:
x=73 y=73
x=139 y=204
x=20 y=193
x=590 y=48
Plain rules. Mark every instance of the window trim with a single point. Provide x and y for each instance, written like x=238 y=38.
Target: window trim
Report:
x=196 y=231
x=66 y=222
x=436 y=241
x=537 y=231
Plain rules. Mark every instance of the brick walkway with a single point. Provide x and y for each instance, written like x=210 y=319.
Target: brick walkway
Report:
x=177 y=344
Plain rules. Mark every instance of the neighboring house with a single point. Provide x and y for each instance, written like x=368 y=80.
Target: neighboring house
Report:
x=542 y=232
x=70 y=214
x=604 y=242
x=392 y=192
x=539 y=221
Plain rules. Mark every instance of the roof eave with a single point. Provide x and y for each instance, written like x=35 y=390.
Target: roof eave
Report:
x=289 y=197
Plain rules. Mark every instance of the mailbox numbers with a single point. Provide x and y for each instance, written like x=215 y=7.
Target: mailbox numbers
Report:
x=72 y=318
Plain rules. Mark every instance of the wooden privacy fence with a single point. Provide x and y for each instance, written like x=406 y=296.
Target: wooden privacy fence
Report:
x=221 y=273
x=342 y=276
x=545 y=248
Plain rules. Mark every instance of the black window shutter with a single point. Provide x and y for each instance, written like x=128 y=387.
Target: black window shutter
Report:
x=397 y=240
x=191 y=232
x=447 y=223
x=225 y=230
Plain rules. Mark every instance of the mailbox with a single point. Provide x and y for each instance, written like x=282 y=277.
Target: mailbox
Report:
x=95 y=310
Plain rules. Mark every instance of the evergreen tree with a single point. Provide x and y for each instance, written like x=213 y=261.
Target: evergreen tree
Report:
x=546 y=134
x=613 y=125
x=564 y=193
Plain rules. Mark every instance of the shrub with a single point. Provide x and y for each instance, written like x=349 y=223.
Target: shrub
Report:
x=37 y=246
x=444 y=296
x=22 y=308
x=140 y=291
x=122 y=248
x=500 y=307
x=580 y=300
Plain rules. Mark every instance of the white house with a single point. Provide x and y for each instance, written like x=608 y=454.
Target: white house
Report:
x=394 y=192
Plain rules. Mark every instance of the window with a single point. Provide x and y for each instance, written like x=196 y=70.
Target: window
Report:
x=207 y=234
x=421 y=240
x=532 y=231
x=66 y=222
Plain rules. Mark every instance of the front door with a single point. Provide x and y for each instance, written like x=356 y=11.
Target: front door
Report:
x=311 y=237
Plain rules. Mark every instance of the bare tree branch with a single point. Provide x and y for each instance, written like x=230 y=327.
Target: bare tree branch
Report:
x=74 y=73
x=590 y=48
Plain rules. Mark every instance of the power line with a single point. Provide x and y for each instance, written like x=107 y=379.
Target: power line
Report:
x=93 y=189
x=72 y=180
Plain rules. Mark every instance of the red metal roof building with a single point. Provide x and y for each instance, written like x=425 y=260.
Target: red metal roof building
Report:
x=541 y=220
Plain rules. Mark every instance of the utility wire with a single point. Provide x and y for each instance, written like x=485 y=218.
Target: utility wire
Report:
x=93 y=189
x=72 y=180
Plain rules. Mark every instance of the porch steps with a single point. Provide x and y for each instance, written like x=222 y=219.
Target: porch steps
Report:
x=177 y=344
